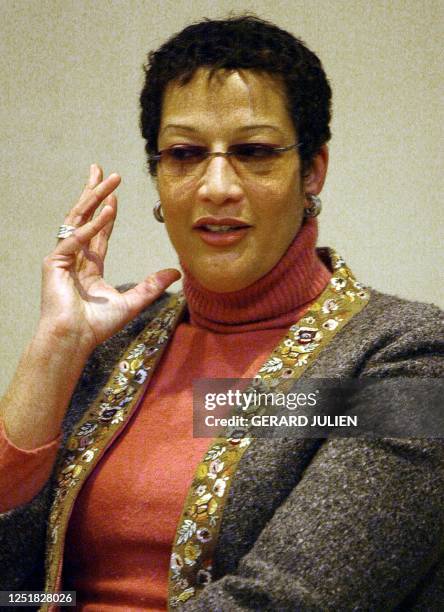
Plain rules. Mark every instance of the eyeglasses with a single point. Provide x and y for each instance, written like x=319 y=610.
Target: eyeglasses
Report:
x=250 y=158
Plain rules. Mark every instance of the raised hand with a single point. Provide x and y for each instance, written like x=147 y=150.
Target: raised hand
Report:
x=78 y=306
x=79 y=310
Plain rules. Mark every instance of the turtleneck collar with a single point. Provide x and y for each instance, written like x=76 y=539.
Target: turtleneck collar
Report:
x=276 y=300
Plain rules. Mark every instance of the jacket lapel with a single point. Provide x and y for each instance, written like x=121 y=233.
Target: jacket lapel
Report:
x=105 y=419
x=198 y=530
x=101 y=424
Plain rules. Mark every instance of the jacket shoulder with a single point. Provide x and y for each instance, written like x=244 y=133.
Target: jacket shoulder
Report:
x=387 y=317
x=401 y=312
x=401 y=335
x=390 y=336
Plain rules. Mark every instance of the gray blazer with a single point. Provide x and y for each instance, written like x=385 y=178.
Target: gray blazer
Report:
x=342 y=524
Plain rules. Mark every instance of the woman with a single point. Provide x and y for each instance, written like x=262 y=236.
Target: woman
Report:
x=236 y=117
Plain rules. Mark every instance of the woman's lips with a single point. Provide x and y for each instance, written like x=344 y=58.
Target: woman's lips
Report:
x=221 y=231
x=224 y=238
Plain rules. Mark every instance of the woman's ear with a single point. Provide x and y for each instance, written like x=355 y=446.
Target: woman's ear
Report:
x=314 y=180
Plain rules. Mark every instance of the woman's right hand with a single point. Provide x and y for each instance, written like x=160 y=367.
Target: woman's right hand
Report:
x=78 y=307
x=79 y=311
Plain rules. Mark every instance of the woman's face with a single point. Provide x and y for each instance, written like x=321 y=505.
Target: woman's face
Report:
x=231 y=108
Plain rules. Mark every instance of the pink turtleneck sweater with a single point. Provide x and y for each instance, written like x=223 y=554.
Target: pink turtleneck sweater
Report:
x=121 y=530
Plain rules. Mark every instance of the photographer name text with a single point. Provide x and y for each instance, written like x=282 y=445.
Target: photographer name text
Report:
x=291 y=420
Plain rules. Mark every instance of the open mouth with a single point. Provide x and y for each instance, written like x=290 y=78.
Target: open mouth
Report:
x=221 y=229
x=223 y=232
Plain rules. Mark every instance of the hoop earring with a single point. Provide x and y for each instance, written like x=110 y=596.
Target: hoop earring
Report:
x=157 y=212
x=314 y=207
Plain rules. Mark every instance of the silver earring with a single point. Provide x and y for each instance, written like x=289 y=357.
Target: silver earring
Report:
x=314 y=207
x=157 y=212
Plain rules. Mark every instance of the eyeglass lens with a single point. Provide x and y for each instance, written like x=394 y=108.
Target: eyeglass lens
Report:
x=190 y=159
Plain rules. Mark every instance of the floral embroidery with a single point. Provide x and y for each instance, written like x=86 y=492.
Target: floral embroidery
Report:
x=200 y=490
x=197 y=534
x=124 y=366
x=118 y=417
x=102 y=422
x=138 y=350
x=215 y=467
x=186 y=531
x=192 y=552
x=330 y=324
x=302 y=360
x=338 y=283
x=272 y=365
x=287 y=373
x=86 y=429
x=121 y=379
x=140 y=376
x=89 y=455
x=177 y=563
x=307 y=335
x=215 y=452
x=305 y=340
x=201 y=518
x=107 y=415
x=330 y=305
x=203 y=535
x=202 y=508
x=339 y=263
x=219 y=486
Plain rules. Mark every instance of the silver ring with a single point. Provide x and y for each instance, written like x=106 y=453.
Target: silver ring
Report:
x=65 y=231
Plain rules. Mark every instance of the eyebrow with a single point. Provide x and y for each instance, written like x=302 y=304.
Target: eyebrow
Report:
x=260 y=126
x=178 y=126
x=245 y=128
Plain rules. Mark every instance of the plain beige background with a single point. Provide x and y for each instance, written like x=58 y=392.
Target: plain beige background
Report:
x=70 y=80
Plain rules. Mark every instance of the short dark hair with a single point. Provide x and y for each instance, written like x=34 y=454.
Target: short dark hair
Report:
x=246 y=42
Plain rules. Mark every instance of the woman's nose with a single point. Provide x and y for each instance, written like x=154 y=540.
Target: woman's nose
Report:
x=220 y=182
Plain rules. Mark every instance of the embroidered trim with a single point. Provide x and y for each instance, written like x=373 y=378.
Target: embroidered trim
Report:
x=199 y=526
x=102 y=423
x=198 y=529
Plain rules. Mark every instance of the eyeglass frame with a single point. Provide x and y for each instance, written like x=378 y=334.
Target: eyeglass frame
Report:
x=208 y=154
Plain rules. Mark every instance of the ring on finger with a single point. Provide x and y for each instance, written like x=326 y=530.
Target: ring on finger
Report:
x=65 y=231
